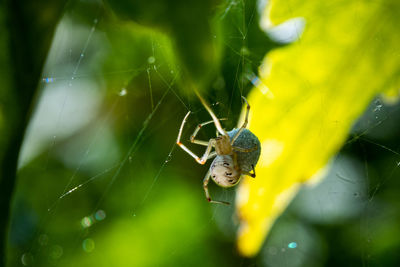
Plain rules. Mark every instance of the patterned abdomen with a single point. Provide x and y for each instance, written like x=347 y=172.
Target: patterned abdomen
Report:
x=246 y=140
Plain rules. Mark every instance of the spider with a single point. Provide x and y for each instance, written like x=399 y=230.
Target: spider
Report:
x=236 y=152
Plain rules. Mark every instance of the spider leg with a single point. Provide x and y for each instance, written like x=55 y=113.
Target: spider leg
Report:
x=181 y=128
x=210 y=144
x=246 y=120
x=253 y=175
x=246 y=150
x=205 y=186
x=215 y=119
x=196 y=131
x=212 y=154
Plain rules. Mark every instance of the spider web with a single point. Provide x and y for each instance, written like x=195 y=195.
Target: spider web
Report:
x=102 y=182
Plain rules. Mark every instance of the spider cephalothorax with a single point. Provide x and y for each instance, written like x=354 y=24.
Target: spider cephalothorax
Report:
x=236 y=152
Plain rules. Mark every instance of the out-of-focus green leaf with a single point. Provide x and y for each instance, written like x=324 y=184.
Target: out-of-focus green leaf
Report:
x=319 y=85
x=188 y=25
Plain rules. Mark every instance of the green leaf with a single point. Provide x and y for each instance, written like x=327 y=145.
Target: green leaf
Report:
x=318 y=87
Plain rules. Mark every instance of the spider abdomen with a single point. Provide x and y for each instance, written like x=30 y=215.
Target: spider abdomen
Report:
x=246 y=140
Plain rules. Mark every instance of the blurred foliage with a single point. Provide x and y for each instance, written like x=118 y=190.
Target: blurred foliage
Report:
x=191 y=32
x=319 y=86
x=101 y=181
x=25 y=39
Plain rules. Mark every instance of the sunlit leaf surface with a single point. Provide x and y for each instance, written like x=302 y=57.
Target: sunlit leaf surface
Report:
x=318 y=86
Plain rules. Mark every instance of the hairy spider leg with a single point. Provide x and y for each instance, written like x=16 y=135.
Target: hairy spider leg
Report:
x=205 y=186
x=210 y=144
x=196 y=131
x=215 y=119
x=244 y=123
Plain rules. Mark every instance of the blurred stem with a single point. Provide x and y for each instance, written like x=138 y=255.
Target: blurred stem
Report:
x=30 y=26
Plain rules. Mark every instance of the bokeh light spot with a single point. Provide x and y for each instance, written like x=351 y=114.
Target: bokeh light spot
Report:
x=100 y=215
x=88 y=245
x=56 y=252
x=151 y=60
x=86 y=222
x=122 y=92
x=27 y=259
x=48 y=80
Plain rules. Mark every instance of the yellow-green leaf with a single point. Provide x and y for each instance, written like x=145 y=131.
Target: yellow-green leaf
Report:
x=348 y=53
